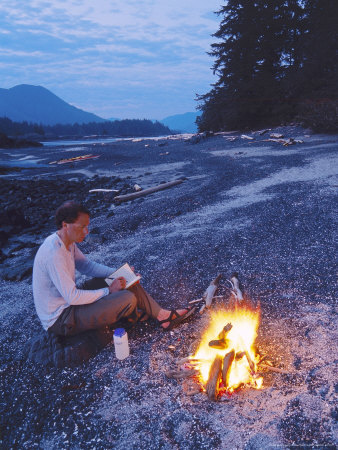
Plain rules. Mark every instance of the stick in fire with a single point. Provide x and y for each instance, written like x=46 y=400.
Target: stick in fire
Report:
x=209 y=293
x=214 y=378
x=237 y=288
x=221 y=343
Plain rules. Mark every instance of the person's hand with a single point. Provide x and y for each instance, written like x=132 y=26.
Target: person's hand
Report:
x=117 y=285
x=137 y=274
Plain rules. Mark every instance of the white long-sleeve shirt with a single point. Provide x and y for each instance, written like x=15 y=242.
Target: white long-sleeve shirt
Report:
x=54 y=286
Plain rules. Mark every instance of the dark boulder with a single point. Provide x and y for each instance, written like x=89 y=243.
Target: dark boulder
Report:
x=51 y=350
x=14 y=217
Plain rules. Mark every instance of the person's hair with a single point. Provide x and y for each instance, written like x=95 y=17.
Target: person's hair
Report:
x=69 y=212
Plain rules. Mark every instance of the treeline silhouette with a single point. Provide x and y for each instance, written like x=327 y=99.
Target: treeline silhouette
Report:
x=127 y=127
x=276 y=61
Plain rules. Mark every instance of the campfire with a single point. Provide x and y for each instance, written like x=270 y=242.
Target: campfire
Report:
x=226 y=359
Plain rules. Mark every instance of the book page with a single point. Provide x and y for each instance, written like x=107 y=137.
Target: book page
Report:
x=125 y=272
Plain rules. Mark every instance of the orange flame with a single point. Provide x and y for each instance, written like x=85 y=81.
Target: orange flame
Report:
x=244 y=319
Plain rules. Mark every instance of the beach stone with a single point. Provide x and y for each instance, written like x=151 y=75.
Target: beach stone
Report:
x=4 y=235
x=14 y=217
x=51 y=350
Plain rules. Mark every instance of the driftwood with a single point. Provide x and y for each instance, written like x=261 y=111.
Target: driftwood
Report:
x=285 y=142
x=199 y=300
x=210 y=292
x=245 y=136
x=104 y=190
x=214 y=378
x=261 y=132
x=189 y=359
x=273 y=369
x=227 y=363
x=236 y=286
x=179 y=374
x=160 y=187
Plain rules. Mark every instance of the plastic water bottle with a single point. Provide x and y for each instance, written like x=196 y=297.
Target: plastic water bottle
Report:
x=121 y=343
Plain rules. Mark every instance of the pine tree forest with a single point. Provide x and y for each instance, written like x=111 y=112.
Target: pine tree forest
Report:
x=276 y=61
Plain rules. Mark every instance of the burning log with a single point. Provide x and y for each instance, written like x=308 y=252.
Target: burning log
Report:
x=214 y=378
x=209 y=293
x=218 y=344
x=251 y=363
x=189 y=359
x=239 y=355
x=221 y=343
x=225 y=331
x=227 y=362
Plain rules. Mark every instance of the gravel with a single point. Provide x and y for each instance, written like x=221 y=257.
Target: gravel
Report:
x=251 y=206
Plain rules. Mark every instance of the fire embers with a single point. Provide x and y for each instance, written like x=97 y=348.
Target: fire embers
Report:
x=219 y=380
x=229 y=362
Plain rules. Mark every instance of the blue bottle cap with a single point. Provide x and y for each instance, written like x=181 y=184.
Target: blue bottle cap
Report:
x=119 y=332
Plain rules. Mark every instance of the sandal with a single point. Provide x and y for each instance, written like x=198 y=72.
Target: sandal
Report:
x=175 y=318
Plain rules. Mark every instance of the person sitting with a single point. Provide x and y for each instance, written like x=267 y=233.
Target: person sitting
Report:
x=66 y=310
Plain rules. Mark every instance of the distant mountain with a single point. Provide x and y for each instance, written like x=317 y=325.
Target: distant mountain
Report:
x=182 y=122
x=37 y=104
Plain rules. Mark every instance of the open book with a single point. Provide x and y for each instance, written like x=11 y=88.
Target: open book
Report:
x=125 y=272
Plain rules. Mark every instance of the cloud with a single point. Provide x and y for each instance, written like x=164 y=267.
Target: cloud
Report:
x=116 y=45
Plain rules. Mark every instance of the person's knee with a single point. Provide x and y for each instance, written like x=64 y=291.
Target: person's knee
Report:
x=130 y=298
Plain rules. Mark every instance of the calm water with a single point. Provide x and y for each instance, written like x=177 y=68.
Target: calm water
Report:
x=96 y=141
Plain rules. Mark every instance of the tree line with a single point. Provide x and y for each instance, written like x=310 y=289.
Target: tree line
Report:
x=127 y=127
x=276 y=61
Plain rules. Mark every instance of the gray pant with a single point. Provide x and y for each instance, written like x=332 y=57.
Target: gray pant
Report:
x=106 y=311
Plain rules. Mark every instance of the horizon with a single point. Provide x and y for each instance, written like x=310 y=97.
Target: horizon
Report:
x=128 y=61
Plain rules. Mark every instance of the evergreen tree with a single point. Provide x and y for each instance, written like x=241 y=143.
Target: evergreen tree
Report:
x=317 y=80
x=259 y=43
x=125 y=127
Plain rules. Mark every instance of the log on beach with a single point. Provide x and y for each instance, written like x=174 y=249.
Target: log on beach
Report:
x=160 y=187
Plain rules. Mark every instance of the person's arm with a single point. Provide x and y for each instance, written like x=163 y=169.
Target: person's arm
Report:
x=61 y=277
x=90 y=268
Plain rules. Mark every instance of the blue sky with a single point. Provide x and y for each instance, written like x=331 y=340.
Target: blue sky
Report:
x=124 y=58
